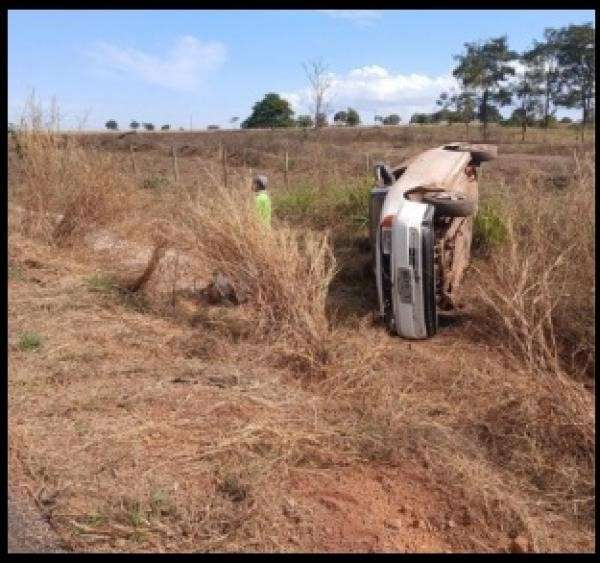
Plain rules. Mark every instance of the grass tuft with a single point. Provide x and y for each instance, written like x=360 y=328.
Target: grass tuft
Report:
x=29 y=341
x=100 y=283
x=489 y=230
x=156 y=183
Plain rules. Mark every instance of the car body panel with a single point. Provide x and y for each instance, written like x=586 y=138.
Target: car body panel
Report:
x=406 y=269
x=432 y=169
x=407 y=288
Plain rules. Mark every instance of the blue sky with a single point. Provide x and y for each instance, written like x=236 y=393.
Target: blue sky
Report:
x=164 y=66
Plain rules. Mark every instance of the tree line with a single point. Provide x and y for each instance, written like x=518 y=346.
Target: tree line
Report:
x=113 y=125
x=558 y=71
x=275 y=111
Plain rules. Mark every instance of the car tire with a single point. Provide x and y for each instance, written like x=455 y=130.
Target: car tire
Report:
x=450 y=204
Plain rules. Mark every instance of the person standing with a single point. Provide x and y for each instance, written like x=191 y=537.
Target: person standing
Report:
x=263 y=201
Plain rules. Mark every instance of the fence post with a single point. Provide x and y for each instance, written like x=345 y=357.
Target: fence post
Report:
x=224 y=162
x=175 y=277
x=175 y=167
x=368 y=163
x=133 y=165
x=286 y=169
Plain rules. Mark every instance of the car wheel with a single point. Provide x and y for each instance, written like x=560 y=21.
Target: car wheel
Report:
x=450 y=204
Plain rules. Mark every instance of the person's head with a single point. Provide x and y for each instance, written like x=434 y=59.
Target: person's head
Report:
x=259 y=182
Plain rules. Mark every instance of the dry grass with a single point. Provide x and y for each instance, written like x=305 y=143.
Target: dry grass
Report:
x=540 y=285
x=68 y=190
x=140 y=432
x=282 y=272
x=512 y=444
x=65 y=190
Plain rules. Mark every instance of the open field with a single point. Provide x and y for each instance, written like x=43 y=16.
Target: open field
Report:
x=142 y=418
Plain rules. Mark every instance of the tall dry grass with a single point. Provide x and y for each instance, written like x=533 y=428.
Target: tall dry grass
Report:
x=64 y=190
x=282 y=272
x=539 y=287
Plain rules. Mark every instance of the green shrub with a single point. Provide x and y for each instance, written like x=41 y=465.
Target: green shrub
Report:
x=15 y=272
x=29 y=341
x=350 y=203
x=296 y=204
x=338 y=204
x=100 y=283
x=155 y=183
x=489 y=229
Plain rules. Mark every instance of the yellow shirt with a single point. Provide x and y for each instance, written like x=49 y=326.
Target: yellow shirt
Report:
x=263 y=206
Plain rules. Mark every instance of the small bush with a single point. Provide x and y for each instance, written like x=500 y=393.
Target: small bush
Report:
x=489 y=229
x=350 y=202
x=298 y=204
x=29 y=341
x=100 y=283
x=155 y=183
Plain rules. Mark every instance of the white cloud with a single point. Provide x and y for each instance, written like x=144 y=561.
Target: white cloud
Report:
x=362 y=18
x=374 y=89
x=183 y=68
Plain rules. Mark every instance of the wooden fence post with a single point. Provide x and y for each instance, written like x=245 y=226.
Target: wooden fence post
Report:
x=133 y=165
x=368 y=163
x=286 y=169
x=224 y=163
x=175 y=277
x=175 y=167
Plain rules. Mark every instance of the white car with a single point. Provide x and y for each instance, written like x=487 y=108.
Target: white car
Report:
x=421 y=224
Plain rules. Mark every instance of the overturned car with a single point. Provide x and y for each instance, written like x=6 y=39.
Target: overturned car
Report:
x=421 y=225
